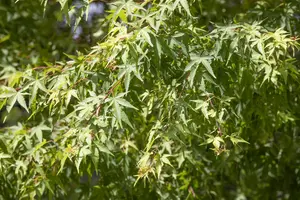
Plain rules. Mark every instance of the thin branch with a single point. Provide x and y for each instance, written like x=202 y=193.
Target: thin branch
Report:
x=40 y=67
x=217 y=123
x=77 y=82
x=98 y=109
x=183 y=87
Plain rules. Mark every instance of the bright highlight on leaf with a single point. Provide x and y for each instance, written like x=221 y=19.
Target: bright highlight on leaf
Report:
x=168 y=99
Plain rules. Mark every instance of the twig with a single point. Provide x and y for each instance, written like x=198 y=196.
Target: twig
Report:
x=218 y=125
x=191 y=190
x=98 y=109
x=76 y=83
x=40 y=67
x=183 y=87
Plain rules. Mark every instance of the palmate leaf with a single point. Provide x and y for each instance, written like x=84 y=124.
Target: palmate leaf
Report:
x=71 y=93
x=117 y=112
x=62 y=163
x=63 y=3
x=145 y=34
x=103 y=148
x=127 y=81
x=166 y=48
x=194 y=64
x=185 y=5
x=7 y=94
x=139 y=112
x=124 y=103
x=21 y=100
x=38 y=131
x=165 y=159
x=235 y=139
x=37 y=84
x=190 y=65
x=192 y=75
x=11 y=102
x=83 y=153
x=207 y=65
x=125 y=119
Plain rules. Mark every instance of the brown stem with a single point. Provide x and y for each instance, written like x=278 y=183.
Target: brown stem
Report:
x=76 y=83
x=39 y=67
x=218 y=125
x=183 y=87
x=98 y=109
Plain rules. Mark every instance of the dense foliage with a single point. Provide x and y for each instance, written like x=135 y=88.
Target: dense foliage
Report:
x=176 y=99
